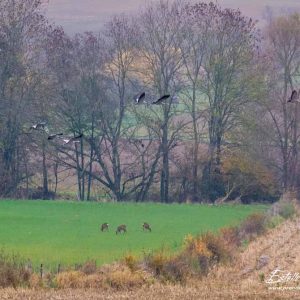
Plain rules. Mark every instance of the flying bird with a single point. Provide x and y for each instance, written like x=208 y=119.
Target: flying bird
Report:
x=294 y=97
x=141 y=143
x=140 y=98
x=75 y=139
x=38 y=126
x=161 y=99
x=53 y=136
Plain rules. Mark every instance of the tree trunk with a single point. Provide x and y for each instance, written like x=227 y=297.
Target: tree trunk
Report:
x=90 y=174
x=78 y=174
x=82 y=172
x=196 y=147
x=294 y=158
x=56 y=176
x=164 y=184
x=45 y=174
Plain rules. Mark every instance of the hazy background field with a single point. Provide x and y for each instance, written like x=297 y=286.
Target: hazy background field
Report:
x=79 y=16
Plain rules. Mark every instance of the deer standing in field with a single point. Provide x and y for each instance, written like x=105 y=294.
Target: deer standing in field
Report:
x=104 y=226
x=121 y=228
x=146 y=226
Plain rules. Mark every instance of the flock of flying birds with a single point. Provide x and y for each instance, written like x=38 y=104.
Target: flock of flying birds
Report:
x=76 y=139
x=295 y=97
x=141 y=99
x=67 y=140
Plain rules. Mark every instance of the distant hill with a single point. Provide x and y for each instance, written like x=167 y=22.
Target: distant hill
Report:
x=79 y=16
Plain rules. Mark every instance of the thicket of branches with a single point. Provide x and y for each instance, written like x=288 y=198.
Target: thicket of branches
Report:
x=226 y=132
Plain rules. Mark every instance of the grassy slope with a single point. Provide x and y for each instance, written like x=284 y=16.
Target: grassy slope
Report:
x=68 y=232
x=281 y=245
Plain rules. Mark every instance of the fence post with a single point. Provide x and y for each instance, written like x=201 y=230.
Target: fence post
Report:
x=41 y=270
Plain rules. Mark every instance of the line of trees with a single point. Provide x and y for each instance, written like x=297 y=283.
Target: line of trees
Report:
x=226 y=132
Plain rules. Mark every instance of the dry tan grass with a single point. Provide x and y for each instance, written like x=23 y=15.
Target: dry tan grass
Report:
x=240 y=280
x=211 y=290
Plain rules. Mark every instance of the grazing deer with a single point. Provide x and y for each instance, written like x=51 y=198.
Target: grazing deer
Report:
x=121 y=228
x=146 y=226
x=104 y=226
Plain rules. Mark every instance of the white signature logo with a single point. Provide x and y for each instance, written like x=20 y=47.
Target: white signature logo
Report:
x=280 y=276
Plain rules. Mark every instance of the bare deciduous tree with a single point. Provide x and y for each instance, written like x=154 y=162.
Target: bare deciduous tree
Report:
x=159 y=49
x=21 y=26
x=228 y=85
x=283 y=54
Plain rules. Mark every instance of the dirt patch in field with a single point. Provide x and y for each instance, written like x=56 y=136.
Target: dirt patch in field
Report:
x=245 y=278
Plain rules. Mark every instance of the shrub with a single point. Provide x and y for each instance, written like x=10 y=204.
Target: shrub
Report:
x=195 y=246
x=125 y=279
x=253 y=225
x=207 y=249
x=156 y=261
x=71 y=279
x=89 y=267
x=78 y=279
x=35 y=281
x=261 y=277
x=212 y=184
x=131 y=262
x=165 y=268
x=272 y=222
x=286 y=210
x=176 y=270
x=216 y=247
x=12 y=271
x=248 y=178
x=93 y=281
x=231 y=237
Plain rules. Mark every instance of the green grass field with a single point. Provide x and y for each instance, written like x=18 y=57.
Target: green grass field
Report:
x=52 y=232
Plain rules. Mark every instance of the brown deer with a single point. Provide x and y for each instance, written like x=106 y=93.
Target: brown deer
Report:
x=146 y=226
x=121 y=228
x=104 y=226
